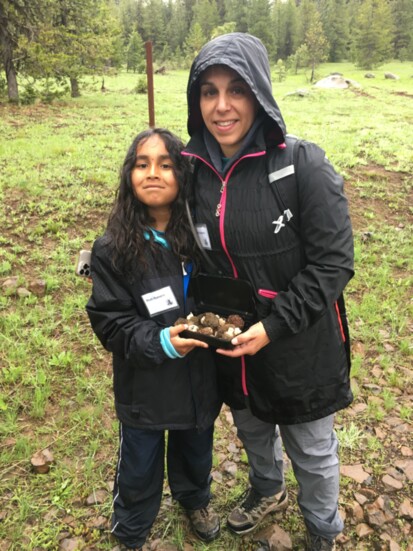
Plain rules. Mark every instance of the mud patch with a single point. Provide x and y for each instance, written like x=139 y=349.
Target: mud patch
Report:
x=392 y=205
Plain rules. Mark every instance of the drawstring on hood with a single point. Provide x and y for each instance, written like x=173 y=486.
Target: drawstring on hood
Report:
x=248 y=56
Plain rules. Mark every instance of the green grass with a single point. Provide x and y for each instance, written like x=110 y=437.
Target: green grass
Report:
x=59 y=167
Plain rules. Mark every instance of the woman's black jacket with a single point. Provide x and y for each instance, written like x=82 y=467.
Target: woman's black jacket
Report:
x=151 y=390
x=297 y=274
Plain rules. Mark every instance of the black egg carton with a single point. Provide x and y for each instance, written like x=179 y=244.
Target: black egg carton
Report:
x=223 y=296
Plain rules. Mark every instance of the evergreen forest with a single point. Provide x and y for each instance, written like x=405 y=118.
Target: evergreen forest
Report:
x=60 y=41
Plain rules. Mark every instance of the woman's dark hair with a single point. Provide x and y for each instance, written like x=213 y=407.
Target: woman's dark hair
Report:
x=129 y=218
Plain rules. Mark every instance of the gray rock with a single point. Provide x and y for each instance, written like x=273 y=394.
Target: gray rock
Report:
x=22 y=292
x=38 y=287
x=10 y=285
x=336 y=81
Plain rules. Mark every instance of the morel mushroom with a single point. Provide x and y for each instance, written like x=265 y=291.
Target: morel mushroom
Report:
x=206 y=331
x=209 y=320
x=226 y=332
x=236 y=320
x=181 y=320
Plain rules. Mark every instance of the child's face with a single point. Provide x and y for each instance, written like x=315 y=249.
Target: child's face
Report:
x=153 y=178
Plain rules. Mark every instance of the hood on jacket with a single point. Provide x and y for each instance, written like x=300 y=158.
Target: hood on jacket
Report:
x=248 y=56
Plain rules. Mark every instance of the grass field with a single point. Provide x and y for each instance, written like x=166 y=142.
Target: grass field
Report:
x=59 y=167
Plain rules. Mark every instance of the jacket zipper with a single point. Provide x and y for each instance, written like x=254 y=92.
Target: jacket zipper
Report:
x=220 y=213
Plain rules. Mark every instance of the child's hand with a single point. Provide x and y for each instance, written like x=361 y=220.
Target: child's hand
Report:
x=183 y=346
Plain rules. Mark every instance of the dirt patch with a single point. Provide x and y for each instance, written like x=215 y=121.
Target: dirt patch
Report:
x=392 y=205
x=359 y=92
x=404 y=94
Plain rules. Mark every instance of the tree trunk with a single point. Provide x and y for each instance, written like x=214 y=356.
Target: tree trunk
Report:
x=11 y=75
x=12 y=87
x=74 y=87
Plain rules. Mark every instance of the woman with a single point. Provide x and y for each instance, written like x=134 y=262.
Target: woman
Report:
x=288 y=372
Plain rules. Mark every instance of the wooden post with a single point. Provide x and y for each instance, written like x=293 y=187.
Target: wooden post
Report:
x=149 y=75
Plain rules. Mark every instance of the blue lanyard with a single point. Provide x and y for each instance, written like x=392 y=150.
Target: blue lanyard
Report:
x=186 y=268
x=158 y=237
x=187 y=271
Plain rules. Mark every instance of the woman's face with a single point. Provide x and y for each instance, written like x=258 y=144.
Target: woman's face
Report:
x=228 y=107
x=153 y=177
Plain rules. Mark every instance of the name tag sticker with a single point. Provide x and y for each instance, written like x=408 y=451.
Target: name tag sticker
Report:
x=203 y=235
x=160 y=301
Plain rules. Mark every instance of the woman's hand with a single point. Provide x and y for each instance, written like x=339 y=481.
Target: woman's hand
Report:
x=249 y=342
x=183 y=346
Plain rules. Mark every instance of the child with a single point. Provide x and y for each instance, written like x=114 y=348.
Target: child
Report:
x=140 y=272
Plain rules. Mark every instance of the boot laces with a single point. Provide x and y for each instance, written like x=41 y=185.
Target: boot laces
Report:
x=252 y=499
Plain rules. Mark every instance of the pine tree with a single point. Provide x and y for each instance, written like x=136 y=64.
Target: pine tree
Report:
x=153 y=25
x=236 y=10
x=128 y=15
x=195 y=41
x=284 y=16
x=74 y=38
x=373 y=34
x=226 y=28
x=316 y=41
x=205 y=12
x=135 y=52
x=17 y=21
x=335 y=20
x=259 y=16
x=402 y=11
x=177 y=26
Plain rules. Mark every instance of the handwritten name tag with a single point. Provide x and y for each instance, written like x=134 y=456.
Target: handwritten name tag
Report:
x=160 y=301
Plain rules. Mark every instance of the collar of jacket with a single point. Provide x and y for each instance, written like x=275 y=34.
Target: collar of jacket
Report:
x=197 y=147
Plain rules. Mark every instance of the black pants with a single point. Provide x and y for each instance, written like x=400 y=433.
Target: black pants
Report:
x=140 y=474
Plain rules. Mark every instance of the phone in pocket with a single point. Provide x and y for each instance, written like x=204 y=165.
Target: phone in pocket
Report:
x=83 y=263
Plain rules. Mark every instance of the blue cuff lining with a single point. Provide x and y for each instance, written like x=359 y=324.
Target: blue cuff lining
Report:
x=167 y=346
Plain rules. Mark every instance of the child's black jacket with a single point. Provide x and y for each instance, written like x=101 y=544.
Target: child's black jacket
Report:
x=151 y=390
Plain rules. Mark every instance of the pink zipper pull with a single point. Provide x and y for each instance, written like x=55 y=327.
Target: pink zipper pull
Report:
x=267 y=293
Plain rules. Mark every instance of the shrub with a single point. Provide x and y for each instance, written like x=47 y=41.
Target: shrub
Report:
x=29 y=95
x=141 y=87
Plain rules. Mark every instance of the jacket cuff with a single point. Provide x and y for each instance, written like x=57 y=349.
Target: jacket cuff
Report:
x=167 y=346
x=273 y=328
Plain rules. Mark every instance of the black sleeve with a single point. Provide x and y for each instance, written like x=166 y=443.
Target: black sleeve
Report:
x=327 y=240
x=114 y=315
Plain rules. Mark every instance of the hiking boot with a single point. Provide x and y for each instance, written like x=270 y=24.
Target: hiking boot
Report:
x=253 y=508
x=317 y=543
x=205 y=523
x=263 y=545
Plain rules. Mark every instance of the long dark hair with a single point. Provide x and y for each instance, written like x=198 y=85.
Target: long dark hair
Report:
x=129 y=218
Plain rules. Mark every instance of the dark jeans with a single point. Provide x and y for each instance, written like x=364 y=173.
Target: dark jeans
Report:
x=140 y=474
